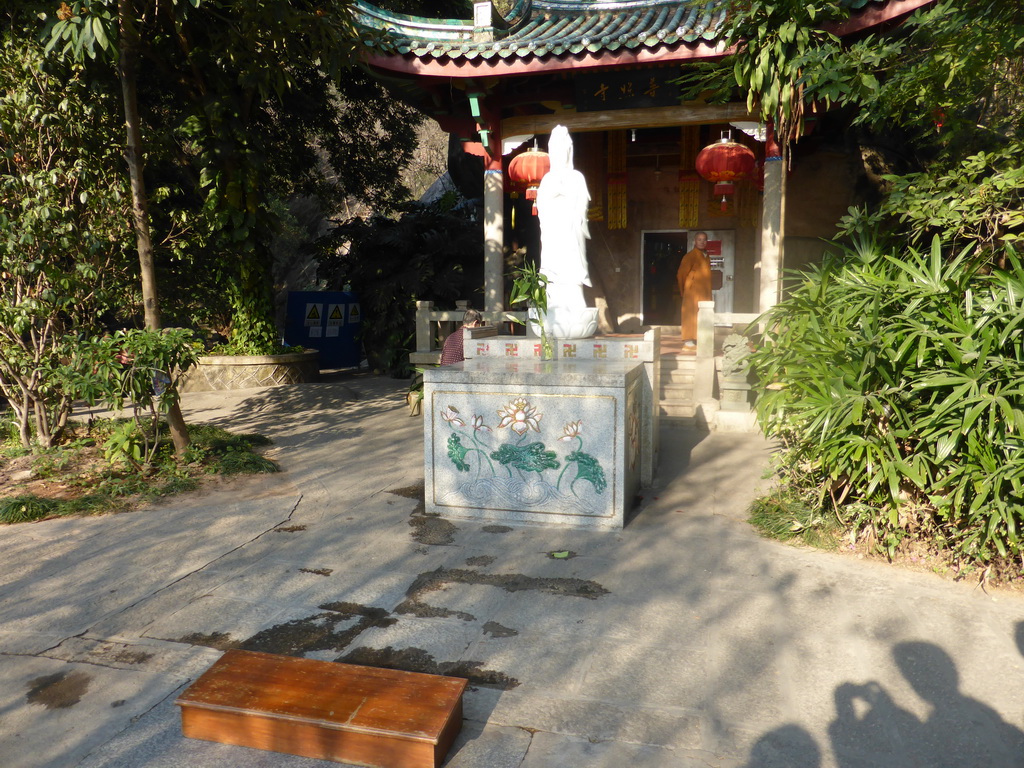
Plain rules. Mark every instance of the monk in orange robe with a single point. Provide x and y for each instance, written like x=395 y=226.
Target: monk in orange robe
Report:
x=694 y=279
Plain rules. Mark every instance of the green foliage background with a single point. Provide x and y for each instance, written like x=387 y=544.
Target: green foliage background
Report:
x=243 y=107
x=892 y=372
x=66 y=265
x=429 y=253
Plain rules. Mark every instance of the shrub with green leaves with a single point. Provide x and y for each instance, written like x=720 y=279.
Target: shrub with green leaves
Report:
x=64 y=232
x=139 y=370
x=895 y=382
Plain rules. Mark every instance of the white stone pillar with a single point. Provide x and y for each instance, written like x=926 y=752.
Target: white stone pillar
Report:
x=424 y=331
x=773 y=216
x=494 y=229
x=704 y=361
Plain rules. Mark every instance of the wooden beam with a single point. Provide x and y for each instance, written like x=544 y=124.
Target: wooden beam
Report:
x=652 y=117
x=874 y=16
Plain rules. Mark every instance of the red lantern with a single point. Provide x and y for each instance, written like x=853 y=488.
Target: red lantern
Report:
x=725 y=163
x=527 y=170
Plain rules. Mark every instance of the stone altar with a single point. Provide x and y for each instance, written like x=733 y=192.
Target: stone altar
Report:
x=511 y=437
x=533 y=441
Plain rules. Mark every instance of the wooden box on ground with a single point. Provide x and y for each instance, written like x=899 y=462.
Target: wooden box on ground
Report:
x=325 y=710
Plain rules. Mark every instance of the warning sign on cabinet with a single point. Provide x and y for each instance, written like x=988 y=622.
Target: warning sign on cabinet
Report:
x=313 y=312
x=353 y=313
x=335 y=315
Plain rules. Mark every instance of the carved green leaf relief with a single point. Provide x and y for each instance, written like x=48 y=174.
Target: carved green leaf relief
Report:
x=587 y=468
x=528 y=458
x=457 y=453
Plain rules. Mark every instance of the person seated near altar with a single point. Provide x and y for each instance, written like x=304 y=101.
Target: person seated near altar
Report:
x=453 y=352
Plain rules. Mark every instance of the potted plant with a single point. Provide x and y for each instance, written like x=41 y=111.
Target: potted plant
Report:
x=529 y=285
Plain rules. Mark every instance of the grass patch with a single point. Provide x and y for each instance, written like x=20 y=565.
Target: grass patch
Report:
x=25 y=508
x=76 y=479
x=239 y=462
x=786 y=515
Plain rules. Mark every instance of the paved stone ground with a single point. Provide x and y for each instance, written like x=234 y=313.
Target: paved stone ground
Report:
x=684 y=640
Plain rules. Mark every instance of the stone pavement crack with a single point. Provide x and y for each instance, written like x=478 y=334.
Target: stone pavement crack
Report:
x=58 y=644
x=174 y=693
x=203 y=567
x=142 y=658
x=530 y=744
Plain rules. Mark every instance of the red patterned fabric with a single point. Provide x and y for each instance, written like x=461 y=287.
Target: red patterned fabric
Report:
x=452 y=352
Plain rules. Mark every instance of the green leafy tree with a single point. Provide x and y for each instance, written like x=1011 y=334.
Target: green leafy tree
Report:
x=946 y=88
x=391 y=263
x=64 y=266
x=771 y=42
x=248 y=105
x=242 y=106
x=87 y=29
x=949 y=85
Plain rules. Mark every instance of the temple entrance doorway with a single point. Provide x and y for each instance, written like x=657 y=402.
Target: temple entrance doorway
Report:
x=722 y=252
x=662 y=252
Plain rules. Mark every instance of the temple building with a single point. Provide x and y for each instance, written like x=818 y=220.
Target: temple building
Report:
x=609 y=72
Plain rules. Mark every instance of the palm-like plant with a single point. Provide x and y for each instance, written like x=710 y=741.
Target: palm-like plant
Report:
x=895 y=384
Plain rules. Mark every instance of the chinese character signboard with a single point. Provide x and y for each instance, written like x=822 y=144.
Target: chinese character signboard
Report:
x=627 y=89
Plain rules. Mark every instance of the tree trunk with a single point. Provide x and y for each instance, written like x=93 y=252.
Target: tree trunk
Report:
x=127 y=68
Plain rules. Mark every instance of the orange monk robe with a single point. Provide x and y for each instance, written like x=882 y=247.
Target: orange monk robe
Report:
x=694 y=279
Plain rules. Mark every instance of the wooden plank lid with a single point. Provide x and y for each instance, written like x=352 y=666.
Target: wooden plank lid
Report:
x=409 y=705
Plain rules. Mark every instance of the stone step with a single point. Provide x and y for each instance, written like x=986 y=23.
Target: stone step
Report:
x=675 y=395
x=688 y=422
x=677 y=377
x=672 y=363
x=675 y=390
x=325 y=710
x=670 y=410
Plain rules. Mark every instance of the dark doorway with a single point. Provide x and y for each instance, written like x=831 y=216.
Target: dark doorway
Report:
x=662 y=253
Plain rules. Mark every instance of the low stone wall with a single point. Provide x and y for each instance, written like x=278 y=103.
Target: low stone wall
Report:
x=223 y=372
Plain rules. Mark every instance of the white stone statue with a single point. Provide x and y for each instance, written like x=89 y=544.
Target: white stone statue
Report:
x=562 y=201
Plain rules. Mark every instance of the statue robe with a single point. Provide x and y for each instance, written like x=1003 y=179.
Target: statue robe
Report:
x=562 y=201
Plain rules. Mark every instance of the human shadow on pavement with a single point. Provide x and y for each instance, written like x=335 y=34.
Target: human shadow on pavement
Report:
x=870 y=729
x=788 y=746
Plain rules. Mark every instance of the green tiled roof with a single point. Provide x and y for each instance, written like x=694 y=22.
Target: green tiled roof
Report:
x=553 y=27
x=537 y=28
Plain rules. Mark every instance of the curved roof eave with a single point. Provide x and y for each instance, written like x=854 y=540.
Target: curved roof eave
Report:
x=409 y=64
x=874 y=15
x=495 y=60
